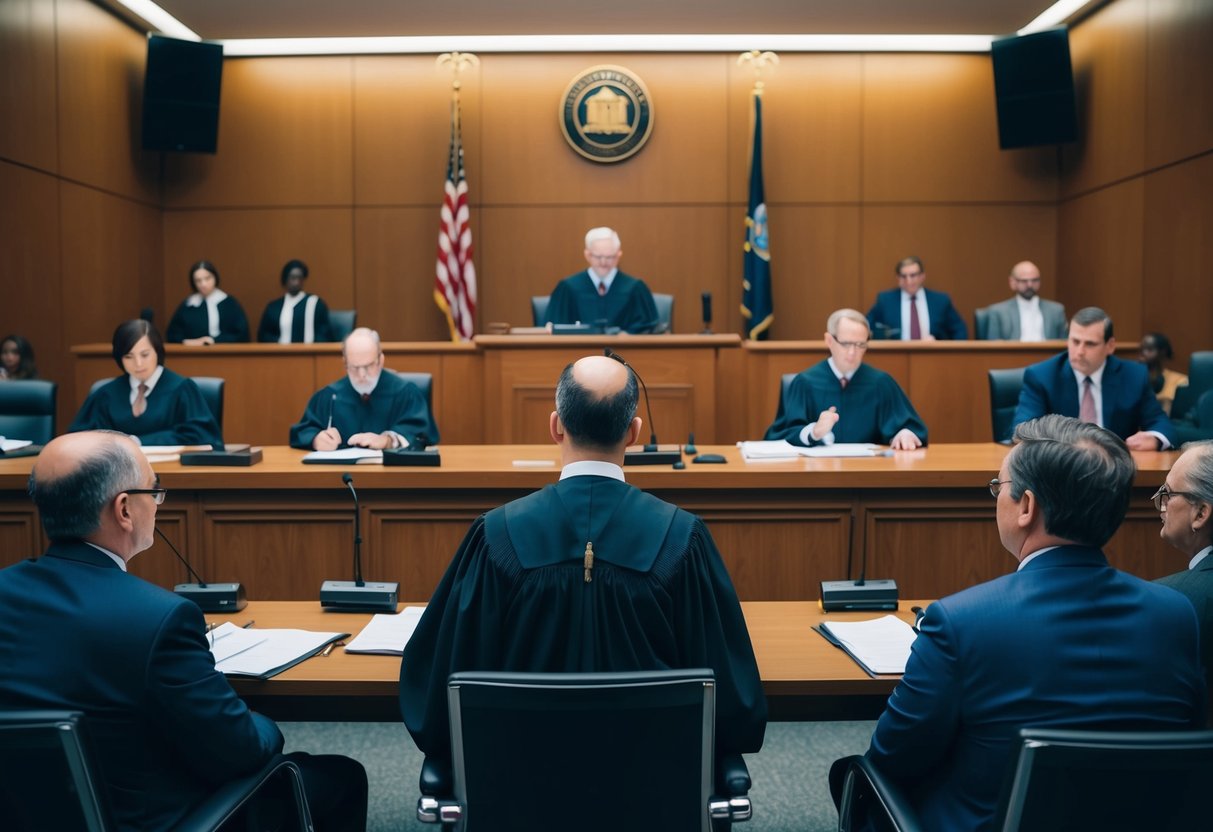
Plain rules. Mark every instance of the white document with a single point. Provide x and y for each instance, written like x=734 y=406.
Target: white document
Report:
x=387 y=633
x=881 y=645
x=840 y=449
x=7 y=445
x=278 y=650
x=343 y=455
x=768 y=449
x=227 y=640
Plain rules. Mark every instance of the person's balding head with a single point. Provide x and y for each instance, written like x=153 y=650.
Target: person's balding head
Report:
x=1025 y=279
x=363 y=357
x=79 y=484
x=596 y=401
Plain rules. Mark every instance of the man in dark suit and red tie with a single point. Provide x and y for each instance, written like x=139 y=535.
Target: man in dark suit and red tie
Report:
x=1090 y=383
x=912 y=312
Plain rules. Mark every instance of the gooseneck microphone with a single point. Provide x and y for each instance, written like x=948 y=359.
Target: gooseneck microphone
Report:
x=706 y=302
x=861 y=594
x=358 y=595
x=651 y=455
x=208 y=597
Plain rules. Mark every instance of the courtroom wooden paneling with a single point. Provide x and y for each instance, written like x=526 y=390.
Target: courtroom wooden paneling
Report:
x=1178 y=252
x=178 y=522
x=285 y=138
x=968 y=250
x=1179 y=91
x=930 y=134
x=527 y=161
x=20 y=532
x=1137 y=547
x=1108 y=55
x=1102 y=256
x=250 y=246
x=415 y=546
x=28 y=133
x=100 y=88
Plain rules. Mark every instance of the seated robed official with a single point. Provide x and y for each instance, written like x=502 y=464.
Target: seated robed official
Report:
x=209 y=315
x=602 y=295
x=297 y=317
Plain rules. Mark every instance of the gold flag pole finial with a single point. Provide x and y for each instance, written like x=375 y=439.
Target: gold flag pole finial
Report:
x=758 y=61
x=457 y=62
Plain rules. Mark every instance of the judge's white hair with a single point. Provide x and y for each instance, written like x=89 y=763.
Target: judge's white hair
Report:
x=602 y=233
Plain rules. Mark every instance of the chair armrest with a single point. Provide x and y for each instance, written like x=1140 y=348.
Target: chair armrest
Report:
x=436 y=779
x=866 y=793
x=231 y=797
x=732 y=776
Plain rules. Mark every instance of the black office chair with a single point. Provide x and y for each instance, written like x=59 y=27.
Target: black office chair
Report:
x=1068 y=781
x=51 y=781
x=27 y=410
x=584 y=751
x=665 y=313
x=1200 y=381
x=210 y=387
x=425 y=383
x=1004 y=398
x=981 y=323
x=539 y=308
x=342 y=322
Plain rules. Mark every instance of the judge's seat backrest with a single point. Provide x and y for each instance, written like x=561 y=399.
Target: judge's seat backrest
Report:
x=539 y=308
x=1004 y=398
x=210 y=387
x=342 y=323
x=981 y=323
x=1200 y=381
x=425 y=383
x=665 y=312
x=27 y=410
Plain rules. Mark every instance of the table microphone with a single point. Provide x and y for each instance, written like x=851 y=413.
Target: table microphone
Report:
x=208 y=597
x=652 y=454
x=358 y=595
x=862 y=594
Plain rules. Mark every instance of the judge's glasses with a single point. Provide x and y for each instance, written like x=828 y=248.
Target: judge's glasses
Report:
x=158 y=494
x=1163 y=495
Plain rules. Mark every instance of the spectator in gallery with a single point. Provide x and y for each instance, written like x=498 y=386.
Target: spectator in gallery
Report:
x=912 y=312
x=1156 y=351
x=297 y=317
x=17 y=359
x=209 y=315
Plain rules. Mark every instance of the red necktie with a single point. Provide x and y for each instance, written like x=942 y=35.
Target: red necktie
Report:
x=602 y=288
x=139 y=405
x=843 y=382
x=1086 y=410
x=366 y=397
x=915 y=326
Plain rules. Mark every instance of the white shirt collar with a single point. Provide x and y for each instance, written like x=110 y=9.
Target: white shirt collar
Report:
x=1034 y=303
x=121 y=563
x=593 y=468
x=1096 y=377
x=1199 y=556
x=608 y=280
x=151 y=382
x=839 y=374
x=215 y=298
x=291 y=301
x=1033 y=556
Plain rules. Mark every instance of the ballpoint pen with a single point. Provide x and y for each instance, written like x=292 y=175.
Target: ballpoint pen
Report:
x=247 y=624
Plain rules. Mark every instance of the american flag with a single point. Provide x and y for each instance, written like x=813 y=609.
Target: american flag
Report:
x=455 y=282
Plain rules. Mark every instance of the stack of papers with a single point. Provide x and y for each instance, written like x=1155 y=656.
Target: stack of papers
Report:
x=387 y=633
x=264 y=653
x=782 y=449
x=344 y=455
x=7 y=445
x=880 y=646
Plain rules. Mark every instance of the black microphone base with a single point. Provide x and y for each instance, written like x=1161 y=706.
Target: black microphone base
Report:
x=410 y=457
x=840 y=596
x=662 y=455
x=347 y=596
x=214 y=597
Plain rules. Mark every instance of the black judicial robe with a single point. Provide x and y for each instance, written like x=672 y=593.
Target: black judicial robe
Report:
x=193 y=322
x=628 y=305
x=872 y=408
x=394 y=405
x=269 y=329
x=176 y=413
x=514 y=599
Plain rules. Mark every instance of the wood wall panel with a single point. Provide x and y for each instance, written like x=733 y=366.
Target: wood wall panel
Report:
x=1178 y=251
x=28 y=124
x=968 y=250
x=20 y=533
x=285 y=138
x=1137 y=548
x=402 y=106
x=783 y=557
x=811 y=122
x=1179 y=100
x=930 y=134
x=100 y=73
x=158 y=564
x=1101 y=261
x=1108 y=54
x=528 y=162
x=249 y=247
x=413 y=548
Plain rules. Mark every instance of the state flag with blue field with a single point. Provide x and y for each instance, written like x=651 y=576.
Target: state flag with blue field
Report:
x=757 y=305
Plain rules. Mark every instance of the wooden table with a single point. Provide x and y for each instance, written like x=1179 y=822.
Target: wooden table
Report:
x=921 y=517
x=804 y=677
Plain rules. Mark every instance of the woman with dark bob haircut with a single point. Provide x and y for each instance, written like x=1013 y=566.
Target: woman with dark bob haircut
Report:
x=296 y=317
x=209 y=315
x=148 y=401
x=17 y=359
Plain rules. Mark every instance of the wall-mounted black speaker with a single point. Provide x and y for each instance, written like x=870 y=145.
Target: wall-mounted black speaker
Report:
x=1034 y=85
x=181 y=95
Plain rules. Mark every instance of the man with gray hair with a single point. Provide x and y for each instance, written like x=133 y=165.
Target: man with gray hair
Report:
x=1065 y=641
x=1185 y=505
x=602 y=295
x=78 y=633
x=367 y=408
x=844 y=400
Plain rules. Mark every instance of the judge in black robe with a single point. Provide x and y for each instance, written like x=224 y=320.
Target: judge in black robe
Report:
x=516 y=598
x=392 y=414
x=602 y=295
x=871 y=407
x=309 y=316
x=209 y=315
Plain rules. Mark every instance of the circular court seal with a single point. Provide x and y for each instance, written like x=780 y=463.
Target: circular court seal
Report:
x=606 y=114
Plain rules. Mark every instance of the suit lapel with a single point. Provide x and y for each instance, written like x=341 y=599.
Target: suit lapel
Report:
x=1068 y=388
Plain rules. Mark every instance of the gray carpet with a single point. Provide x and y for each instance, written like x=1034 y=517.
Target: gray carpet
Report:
x=789 y=773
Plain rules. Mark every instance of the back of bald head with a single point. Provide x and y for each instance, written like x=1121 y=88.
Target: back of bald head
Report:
x=77 y=475
x=596 y=401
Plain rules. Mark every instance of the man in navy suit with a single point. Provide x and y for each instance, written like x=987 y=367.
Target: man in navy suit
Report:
x=1064 y=641
x=1088 y=382
x=77 y=632
x=913 y=313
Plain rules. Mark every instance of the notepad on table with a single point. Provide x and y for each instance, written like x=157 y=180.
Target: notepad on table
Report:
x=265 y=653
x=387 y=633
x=881 y=646
x=345 y=455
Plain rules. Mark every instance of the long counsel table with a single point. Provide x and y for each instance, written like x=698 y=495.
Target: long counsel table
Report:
x=924 y=518
x=804 y=677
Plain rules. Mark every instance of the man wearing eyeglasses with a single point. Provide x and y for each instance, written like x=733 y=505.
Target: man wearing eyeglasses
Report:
x=911 y=312
x=1026 y=316
x=78 y=633
x=1064 y=641
x=602 y=295
x=1185 y=505
x=844 y=400
x=368 y=408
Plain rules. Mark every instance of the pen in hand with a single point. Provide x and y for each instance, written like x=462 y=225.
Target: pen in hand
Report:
x=332 y=404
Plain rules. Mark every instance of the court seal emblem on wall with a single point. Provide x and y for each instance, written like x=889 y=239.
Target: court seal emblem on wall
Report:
x=606 y=114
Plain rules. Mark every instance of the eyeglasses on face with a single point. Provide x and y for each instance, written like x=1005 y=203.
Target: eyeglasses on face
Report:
x=1163 y=495
x=851 y=345
x=158 y=494
x=996 y=485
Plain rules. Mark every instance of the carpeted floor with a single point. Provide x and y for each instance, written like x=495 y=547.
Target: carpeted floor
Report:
x=789 y=773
